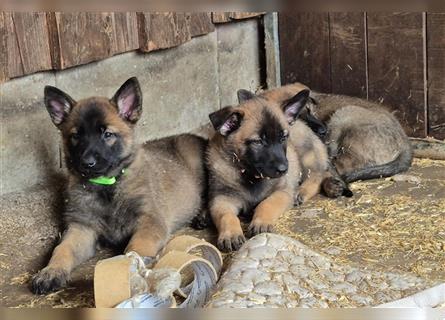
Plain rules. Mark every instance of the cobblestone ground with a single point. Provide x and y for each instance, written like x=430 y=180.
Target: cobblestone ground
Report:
x=277 y=271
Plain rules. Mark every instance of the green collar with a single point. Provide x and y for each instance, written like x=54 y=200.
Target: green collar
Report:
x=105 y=181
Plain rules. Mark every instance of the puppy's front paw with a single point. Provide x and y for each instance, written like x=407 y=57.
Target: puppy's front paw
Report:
x=49 y=280
x=258 y=227
x=335 y=187
x=201 y=221
x=230 y=243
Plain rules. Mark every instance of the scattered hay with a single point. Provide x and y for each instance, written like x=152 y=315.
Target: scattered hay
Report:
x=61 y=299
x=388 y=232
x=20 y=279
x=424 y=163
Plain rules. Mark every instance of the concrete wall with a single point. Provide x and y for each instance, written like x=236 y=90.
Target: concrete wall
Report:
x=181 y=86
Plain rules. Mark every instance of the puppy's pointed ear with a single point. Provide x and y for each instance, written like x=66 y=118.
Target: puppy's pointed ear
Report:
x=294 y=105
x=317 y=126
x=226 y=120
x=58 y=103
x=128 y=100
x=244 y=95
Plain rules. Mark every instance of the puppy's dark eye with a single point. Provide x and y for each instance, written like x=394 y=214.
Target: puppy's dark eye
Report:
x=74 y=138
x=284 y=136
x=256 y=142
x=108 y=134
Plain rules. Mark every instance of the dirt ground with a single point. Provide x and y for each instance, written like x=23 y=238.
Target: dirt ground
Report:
x=395 y=224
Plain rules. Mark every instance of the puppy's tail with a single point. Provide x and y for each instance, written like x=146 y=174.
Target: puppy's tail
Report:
x=399 y=164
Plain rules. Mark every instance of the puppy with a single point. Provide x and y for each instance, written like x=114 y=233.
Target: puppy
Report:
x=256 y=161
x=365 y=141
x=119 y=193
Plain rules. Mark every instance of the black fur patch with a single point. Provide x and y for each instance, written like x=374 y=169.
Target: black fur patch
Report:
x=115 y=218
x=90 y=142
x=271 y=129
x=265 y=155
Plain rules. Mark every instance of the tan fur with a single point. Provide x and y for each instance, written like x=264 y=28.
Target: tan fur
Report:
x=283 y=93
x=314 y=160
x=161 y=190
x=268 y=211
x=307 y=158
x=313 y=153
x=364 y=139
x=71 y=251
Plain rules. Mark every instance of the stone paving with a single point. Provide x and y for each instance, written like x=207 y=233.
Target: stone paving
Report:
x=276 y=271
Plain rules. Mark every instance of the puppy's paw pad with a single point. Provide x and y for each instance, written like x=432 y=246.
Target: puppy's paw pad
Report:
x=201 y=222
x=229 y=244
x=257 y=228
x=48 y=280
x=334 y=188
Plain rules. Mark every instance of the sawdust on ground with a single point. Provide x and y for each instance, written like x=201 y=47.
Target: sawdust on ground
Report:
x=393 y=224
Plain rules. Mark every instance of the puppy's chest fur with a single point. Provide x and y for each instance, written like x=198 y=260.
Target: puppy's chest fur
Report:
x=108 y=210
x=227 y=179
x=259 y=189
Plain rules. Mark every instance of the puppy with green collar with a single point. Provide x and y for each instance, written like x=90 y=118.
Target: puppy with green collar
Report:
x=119 y=193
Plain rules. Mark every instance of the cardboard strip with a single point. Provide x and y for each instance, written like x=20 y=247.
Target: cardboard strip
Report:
x=112 y=281
x=121 y=281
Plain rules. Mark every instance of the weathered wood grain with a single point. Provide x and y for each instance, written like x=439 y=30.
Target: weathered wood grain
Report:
x=436 y=74
x=3 y=49
x=304 y=49
x=163 y=30
x=348 y=53
x=245 y=15
x=31 y=32
x=82 y=37
x=223 y=17
x=53 y=37
x=201 y=23
x=396 y=66
x=15 y=66
x=125 y=31
x=220 y=17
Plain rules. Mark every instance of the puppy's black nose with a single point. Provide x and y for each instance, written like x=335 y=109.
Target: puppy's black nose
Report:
x=282 y=168
x=88 y=162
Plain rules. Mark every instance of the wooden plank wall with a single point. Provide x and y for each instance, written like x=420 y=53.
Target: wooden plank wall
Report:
x=38 y=41
x=436 y=74
x=310 y=54
x=393 y=58
x=395 y=67
x=347 y=45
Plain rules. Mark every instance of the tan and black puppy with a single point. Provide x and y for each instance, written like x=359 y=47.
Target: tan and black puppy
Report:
x=310 y=148
x=119 y=193
x=256 y=161
x=365 y=140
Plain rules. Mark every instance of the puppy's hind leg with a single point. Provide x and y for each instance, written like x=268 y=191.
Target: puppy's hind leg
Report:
x=309 y=188
x=77 y=245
